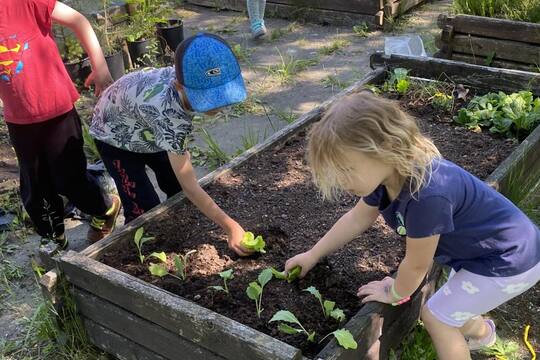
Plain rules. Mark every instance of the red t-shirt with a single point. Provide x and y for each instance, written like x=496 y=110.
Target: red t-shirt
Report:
x=34 y=84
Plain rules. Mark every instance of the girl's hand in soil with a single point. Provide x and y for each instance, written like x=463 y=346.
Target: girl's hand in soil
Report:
x=306 y=261
x=235 y=235
x=379 y=291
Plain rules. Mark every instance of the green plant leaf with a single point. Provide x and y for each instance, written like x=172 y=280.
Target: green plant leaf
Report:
x=253 y=243
x=345 y=339
x=180 y=266
x=329 y=306
x=158 y=270
x=402 y=86
x=401 y=74
x=253 y=290
x=161 y=256
x=227 y=274
x=294 y=273
x=284 y=315
x=138 y=236
x=218 y=288
x=311 y=337
x=265 y=276
x=337 y=314
x=284 y=328
x=280 y=275
x=313 y=291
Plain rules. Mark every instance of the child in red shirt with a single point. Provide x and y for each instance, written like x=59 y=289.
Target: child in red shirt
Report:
x=43 y=125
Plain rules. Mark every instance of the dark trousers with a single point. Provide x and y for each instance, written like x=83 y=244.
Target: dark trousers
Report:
x=134 y=187
x=52 y=163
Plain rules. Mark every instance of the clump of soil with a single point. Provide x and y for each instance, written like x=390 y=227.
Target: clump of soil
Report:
x=272 y=194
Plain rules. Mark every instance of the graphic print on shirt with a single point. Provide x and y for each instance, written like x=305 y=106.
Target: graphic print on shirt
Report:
x=11 y=53
x=401 y=230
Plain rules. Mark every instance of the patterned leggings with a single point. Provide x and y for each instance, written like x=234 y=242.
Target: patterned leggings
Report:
x=256 y=11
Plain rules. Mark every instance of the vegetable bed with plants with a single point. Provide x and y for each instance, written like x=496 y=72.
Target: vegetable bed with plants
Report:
x=272 y=196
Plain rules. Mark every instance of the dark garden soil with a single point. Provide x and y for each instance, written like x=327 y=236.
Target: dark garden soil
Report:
x=272 y=195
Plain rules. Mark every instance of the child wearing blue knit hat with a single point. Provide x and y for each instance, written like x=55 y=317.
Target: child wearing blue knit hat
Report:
x=144 y=118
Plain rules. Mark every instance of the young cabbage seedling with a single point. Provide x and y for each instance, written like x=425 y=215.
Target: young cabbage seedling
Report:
x=161 y=269
x=344 y=338
x=181 y=262
x=290 y=276
x=225 y=275
x=328 y=307
x=255 y=289
x=253 y=243
x=288 y=317
x=139 y=240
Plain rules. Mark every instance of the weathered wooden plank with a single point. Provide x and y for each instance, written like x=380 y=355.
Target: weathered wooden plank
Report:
x=494 y=28
x=352 y=6
x=481 y=60
x=126 y=232
x=501 y=49
x=117 y=345
x=481 y=77
x=142 y=332
x=406 y=5
x=319 y=16
x=518 y=174
x=213 y=331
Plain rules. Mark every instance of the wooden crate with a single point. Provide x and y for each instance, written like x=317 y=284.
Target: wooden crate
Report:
x=334 y=12
x=488 y=41
x=132 y=319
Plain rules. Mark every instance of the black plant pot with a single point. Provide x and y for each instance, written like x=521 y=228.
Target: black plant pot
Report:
x=115 y=62
x=170 y=34
x=137 y=50
x=78 y=70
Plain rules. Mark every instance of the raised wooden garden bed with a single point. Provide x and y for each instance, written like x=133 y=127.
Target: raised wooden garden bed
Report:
x=132 y=315
x=334 y=12
x=488 y=41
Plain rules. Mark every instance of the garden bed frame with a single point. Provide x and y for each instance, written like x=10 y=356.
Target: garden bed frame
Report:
x=133 y=319
x=478 y=40
x=375 y=13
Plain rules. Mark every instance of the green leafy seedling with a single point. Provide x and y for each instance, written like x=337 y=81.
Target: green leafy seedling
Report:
x=398 y=81
x=253 y=243
x=161 y=256
x=344 y=338
x=288 y=317
x=255 y=289
x=181 y=262
x=226 y=276
x=280 y=275
x=139 y=240
x=294 y=273
x=328 y=307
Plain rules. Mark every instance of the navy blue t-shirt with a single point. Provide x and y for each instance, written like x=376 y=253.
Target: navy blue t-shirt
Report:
x=480 y=230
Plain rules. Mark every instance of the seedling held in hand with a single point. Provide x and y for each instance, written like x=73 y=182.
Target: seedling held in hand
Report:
x=139 y=240
x=328 y=307
x=255 y=289
x=225 y=275
x=288 y=317
x=289 y=276
x=252 y=243
x=344 y=338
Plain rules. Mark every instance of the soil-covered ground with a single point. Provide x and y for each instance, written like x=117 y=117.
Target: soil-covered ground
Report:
x=272 y=195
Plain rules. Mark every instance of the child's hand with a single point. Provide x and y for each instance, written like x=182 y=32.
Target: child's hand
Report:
x=306 y=261
x=101 y=79
x=377 y=291
x=235 y=235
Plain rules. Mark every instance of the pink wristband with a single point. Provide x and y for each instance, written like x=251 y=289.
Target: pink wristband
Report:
x=402 y=301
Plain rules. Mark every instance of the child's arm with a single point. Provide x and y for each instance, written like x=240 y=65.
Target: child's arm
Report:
x=349 y=226
x=185 y=174
x=412 y=270
x=75 y=21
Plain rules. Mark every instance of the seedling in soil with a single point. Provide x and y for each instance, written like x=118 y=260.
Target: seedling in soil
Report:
x=180 y=263
x=255 y=289
x=288 y=317
x=328 y=307
x=290 y=276
x=399 y=81
x=442 y=101
x=139 y=240
x=226 y=276
x=250 y=242
x=344 y=338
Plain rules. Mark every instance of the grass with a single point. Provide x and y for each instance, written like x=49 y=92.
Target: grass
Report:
x=215 y=155
x=361 y=30
x=278 y=33
x=417 y=346
x=522 y=10
x=90 y=149
x=251 y=138
x=252 y=105
x=288 y=116
x=503 y=349
x=242 y=53
x=335 y=83
x=336 y=47
x=289 y=67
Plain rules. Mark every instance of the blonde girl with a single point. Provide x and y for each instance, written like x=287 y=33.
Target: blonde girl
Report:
x=367 y=146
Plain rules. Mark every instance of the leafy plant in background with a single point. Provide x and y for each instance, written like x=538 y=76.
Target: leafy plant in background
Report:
x=73 y=49
x=286 y=318
x=255 y=289
x=226 y=276
x=361 y=30
x=442 y=101
x=328 y=307
x=398 y=81
x=250 y=242
x=139 y=239
x=516 y=114
x=523 y=10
